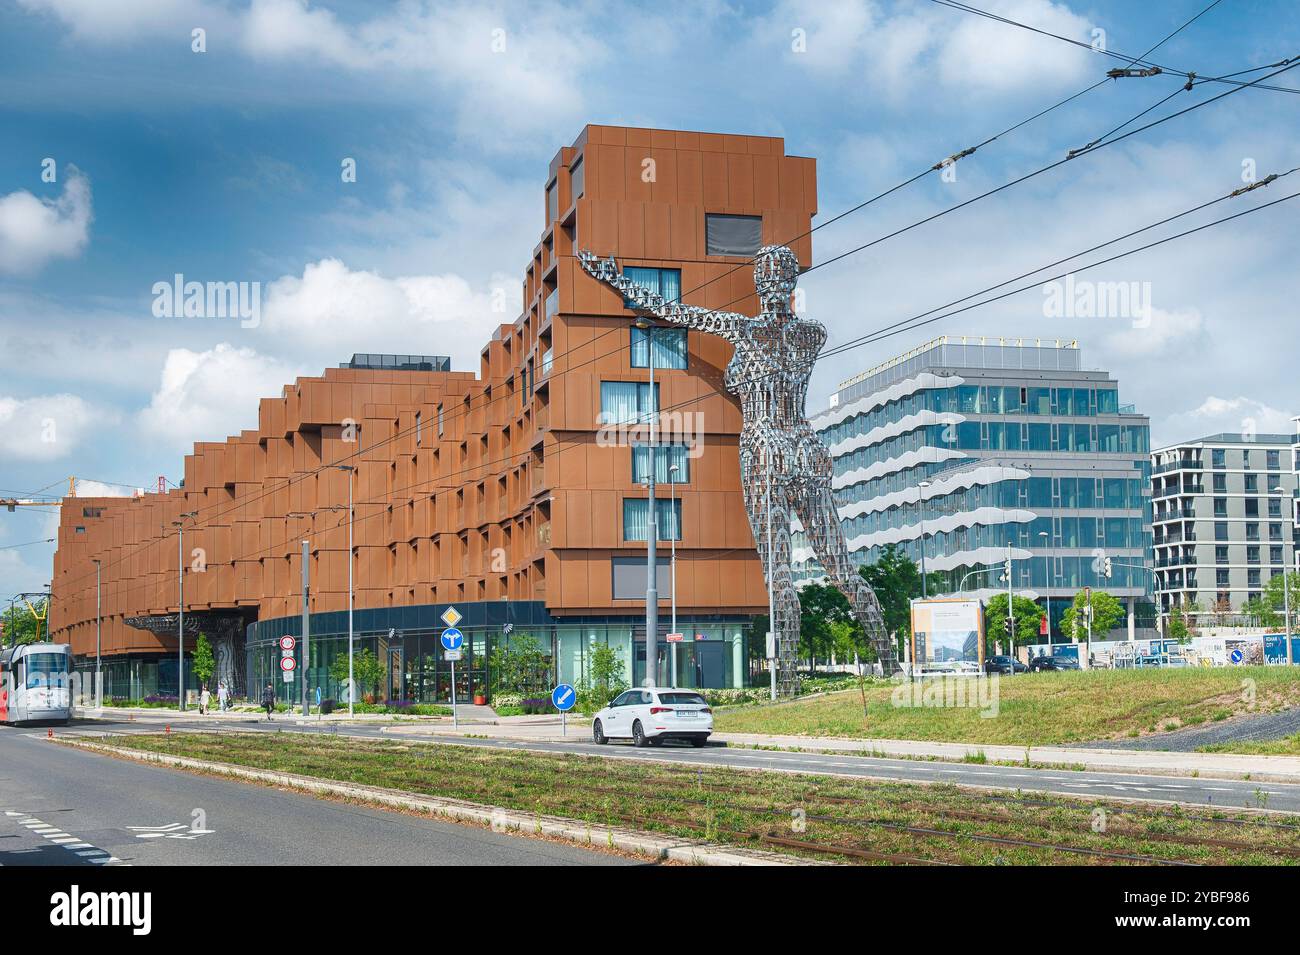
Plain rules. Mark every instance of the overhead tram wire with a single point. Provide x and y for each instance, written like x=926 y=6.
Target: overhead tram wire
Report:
x=967 y=8
x=259 y=495
x=870 y=338
x=237 y=505
x=1070 y=157
x=48 y=540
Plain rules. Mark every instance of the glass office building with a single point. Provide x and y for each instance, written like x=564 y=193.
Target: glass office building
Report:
x=963 y=448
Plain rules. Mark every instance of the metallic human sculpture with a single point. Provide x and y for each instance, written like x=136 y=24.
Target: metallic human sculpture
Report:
x=785 y=469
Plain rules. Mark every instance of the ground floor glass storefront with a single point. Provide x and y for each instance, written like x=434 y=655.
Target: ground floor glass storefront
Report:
x=406 y=642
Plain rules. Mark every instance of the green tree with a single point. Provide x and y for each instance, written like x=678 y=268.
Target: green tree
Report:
x=896 y=580
x=1178 y=629
x=604 y=679
x=203 y=663
x=821 y=606
x=21 y=627
x=1275 y=598
x=1107 y=614
x=1263 y=612
x=520 y=666
x=1029 y=621
x=366 y=667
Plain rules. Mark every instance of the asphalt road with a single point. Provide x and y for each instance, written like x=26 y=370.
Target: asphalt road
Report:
x=65 y=806
x=1192 y=791
x=1266 y=726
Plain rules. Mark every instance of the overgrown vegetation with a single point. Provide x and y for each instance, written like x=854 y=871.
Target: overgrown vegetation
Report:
x=754 y=807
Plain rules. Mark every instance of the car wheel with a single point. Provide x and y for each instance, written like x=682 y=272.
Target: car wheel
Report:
x=656 y=740
x=598 y=734
x=638 y=735
x=698 y=741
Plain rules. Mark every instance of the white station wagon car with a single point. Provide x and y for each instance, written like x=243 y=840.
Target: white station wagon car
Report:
x=652 y=715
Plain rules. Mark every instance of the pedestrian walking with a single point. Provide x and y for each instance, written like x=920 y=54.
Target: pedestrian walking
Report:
x=223 y=696
x=205 y=698
x=268 y=700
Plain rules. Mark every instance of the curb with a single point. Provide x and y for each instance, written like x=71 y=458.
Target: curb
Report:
x=499 y=820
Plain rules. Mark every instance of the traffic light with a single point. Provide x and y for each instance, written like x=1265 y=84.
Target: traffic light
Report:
x=1006 y=567
x=1106 y=568
x=1010 y=625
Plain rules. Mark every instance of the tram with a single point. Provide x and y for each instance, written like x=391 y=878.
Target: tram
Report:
x=36 y=683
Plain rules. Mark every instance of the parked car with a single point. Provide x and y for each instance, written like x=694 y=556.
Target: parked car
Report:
x=1038 y=664
x=650 y=716
x=1003 y=664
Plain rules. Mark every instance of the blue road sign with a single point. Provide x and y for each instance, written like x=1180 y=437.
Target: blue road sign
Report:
x=1237 y=656
x=563 y=698
x=452 y=639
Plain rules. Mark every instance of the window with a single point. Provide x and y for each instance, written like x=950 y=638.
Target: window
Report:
x=1252 y=577
x=1252 y=532
x=440 y=421
x=99 y=511
x=1221 y=578
x=1107 y=401
x=1220 y=507
x=1221 y=553
x=665 y=282
x=418 y=429
x=628 y=577
x=1252 y=483
x=1218 y=458
x=1220 y=484
x=1275 y=554
x=1252 y=507
x=669 y=347
x=1274 y=460
x=1274 y=532
x=1252 y=554
x=733 y=235
x=552 y=202
x=1274 y=507
x=1245 y=460
x=1220 y=531
x=577 y=180
x=668 y=456
x=636 y=511
x=626 y=402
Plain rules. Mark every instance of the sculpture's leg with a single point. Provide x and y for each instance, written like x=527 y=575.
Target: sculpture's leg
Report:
x=761 y=505
x=815 y=507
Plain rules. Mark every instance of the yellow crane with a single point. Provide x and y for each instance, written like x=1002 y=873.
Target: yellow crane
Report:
x=10 y=503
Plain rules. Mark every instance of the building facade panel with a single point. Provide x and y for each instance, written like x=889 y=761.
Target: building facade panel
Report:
x=510 y=487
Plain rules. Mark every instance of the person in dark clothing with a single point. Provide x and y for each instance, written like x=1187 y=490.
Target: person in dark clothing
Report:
x=268 y=700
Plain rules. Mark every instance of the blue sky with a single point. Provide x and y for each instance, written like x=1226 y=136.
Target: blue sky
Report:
x=224 y=165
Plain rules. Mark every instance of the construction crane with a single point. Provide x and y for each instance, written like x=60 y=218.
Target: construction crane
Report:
x=12 y=503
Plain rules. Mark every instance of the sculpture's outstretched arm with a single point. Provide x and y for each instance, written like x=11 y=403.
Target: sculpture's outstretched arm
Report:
x=723 y=324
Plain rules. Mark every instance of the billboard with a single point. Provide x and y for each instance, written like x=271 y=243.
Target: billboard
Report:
x=947 y=635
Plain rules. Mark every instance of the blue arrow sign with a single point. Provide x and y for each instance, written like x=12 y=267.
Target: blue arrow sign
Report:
x=452 y=639
x=1237 y=656
x=563 y=697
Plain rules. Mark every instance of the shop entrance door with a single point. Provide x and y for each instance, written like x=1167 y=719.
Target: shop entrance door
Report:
x=710 y=664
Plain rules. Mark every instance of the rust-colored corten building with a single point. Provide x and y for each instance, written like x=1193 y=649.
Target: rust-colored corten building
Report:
x=516 y=494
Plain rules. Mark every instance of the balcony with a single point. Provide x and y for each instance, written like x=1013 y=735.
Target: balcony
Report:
x=1183 y=465
x=553 y=302
x=537 y=477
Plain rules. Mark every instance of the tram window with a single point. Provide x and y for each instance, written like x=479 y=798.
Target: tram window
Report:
x=46 y=669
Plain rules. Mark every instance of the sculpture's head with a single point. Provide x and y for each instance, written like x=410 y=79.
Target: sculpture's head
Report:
x=776 y=271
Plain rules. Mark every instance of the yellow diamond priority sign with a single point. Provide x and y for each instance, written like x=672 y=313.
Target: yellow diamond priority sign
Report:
x=451 y=616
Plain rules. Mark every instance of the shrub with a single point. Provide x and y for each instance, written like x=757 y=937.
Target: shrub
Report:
x=537 y=704
x=328 y=706
x=500 y=700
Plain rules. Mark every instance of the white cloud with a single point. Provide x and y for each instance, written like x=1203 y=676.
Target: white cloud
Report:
x=1243 y=414
x=1165 y=333
x=332 y=311
x=47 y=427
x=915 y=45
x=99 y=21
x=205 y=396
x=33 y=231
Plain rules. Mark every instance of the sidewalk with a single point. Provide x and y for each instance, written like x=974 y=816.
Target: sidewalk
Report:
x=467 y=713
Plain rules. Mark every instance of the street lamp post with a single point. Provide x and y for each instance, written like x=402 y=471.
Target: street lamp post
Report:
x=652 y=524
x=1286 y=602
x=771 y=600
x=1047 y=584
x=180 y=608
x=99 y=676
x=350 y=470
x=672 y=563
x=921 y=512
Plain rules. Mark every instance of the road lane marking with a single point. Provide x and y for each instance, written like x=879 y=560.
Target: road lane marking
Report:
x=58 y=837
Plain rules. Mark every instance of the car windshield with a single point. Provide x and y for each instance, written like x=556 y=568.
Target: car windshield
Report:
x=694 y=698
x=46 y=669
